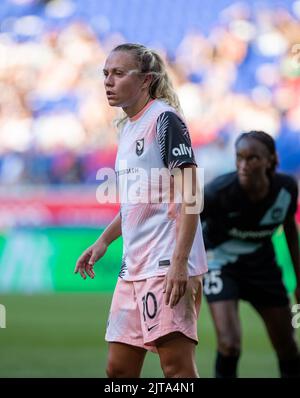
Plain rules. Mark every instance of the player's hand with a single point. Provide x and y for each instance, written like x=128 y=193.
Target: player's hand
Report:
x=175 y=283
x=87 y=260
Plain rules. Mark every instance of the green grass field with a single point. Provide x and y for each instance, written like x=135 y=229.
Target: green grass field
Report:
x=62 y=335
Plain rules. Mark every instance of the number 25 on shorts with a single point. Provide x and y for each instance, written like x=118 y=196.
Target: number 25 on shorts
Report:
x=213 y=284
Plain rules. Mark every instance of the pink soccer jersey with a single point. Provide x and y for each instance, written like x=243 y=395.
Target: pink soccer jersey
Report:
x=155 y=139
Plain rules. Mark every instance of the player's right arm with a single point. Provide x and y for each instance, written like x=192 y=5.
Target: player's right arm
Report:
x=92 y=254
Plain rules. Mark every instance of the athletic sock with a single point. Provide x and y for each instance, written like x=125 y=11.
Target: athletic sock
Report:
x=226 y=366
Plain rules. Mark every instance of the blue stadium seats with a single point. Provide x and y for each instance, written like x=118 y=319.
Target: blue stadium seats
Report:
x=154 y=23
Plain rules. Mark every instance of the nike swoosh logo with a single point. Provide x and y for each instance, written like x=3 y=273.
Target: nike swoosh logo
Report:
x=152 y=327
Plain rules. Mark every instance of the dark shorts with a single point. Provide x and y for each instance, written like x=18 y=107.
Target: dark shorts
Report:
x=261 y=286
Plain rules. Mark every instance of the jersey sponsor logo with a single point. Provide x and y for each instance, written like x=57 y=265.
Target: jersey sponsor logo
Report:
x=139 y=149
x=130 y=170
x=236 y=233
x=181 y=150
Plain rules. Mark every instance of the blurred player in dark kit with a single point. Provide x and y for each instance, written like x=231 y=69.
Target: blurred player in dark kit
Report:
x=242 y=210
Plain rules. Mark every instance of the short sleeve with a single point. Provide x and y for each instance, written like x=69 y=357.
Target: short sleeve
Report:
x=174 y=141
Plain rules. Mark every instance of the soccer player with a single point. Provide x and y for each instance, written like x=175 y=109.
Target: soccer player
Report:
x=158 y=293
x=242 y=210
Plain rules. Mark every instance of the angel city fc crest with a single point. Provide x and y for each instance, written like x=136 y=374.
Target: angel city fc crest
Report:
x=139 y=149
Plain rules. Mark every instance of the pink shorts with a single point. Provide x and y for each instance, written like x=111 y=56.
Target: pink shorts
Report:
x=139 y=316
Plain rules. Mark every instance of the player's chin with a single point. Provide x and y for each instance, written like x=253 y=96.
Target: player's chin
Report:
x=245 y=179
x=114 y=101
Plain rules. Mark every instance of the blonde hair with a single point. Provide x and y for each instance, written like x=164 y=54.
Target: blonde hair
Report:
x=150 y=62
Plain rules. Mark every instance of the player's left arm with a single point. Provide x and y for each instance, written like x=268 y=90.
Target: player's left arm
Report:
x=292 y=238
x=177 y=154
x=185 y=181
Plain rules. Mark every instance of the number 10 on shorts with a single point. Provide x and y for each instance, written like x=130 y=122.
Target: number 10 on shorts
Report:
x=149 y=306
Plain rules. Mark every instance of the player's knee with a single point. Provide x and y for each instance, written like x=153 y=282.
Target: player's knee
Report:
x=179 y=367
x=229 y=346
x=172 y=370
x=169 y=369
x=115 y=370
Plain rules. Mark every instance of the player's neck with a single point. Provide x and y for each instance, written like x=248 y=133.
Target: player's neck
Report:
x=258 y=189
x=134 y=109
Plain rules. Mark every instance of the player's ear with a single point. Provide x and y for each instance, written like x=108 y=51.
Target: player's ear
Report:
x=147 y=80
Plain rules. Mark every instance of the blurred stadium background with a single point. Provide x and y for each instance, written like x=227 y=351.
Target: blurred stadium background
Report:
x=235 y=66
